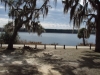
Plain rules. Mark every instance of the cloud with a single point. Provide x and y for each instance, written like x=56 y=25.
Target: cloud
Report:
x=82 y=2
x=56 y=15
x=54 y=20
x=2 y=7
x=4 y=21
x=3 y=12
x=4 y=16
x=50 y=25
x=56 y=9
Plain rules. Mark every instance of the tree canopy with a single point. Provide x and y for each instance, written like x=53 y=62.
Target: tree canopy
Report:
x=83 y=33
x=8 y=31
x=88 y=12
x=26 y=13
x=80 y=13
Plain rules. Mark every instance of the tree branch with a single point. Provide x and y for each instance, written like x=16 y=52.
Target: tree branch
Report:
x=30 y=17
x=93 y=3
x=37 y=10
x=91 y=15
x=97 y=1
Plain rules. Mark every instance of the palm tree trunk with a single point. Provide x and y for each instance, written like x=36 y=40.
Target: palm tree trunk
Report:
x=97 y=47
x=83 y=40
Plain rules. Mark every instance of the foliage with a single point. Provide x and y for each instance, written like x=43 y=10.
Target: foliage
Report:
x=6 y=37
x=8 y=31
x=80 y=13
x=26 y=12
x=89 y=12
x=83 y=32
x=37 y=28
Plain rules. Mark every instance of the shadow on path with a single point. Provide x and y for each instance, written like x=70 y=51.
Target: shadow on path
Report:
x=90 y=59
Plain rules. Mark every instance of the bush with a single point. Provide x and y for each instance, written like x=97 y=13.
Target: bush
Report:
x=7 y=34
x=6 y=38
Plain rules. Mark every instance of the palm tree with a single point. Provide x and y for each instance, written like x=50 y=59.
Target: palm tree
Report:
x=89 y=11
x=83 y=33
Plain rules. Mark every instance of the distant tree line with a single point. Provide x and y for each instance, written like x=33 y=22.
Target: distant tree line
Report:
x=52 y=30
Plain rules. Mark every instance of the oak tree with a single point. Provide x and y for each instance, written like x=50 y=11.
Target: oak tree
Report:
x=27 y=13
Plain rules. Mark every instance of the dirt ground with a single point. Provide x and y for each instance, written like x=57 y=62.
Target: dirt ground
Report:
x=31 y=61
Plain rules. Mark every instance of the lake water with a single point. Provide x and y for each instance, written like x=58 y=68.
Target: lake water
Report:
x=51 y=38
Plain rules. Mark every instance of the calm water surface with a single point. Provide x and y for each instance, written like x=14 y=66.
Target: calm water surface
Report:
x=50 y=38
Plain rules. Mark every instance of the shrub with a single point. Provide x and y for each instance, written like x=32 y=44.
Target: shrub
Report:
x=6 y=36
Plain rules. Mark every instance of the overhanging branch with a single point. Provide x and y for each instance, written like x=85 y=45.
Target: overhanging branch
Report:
x=94 y=4
x=93 y=15
x=37 y=10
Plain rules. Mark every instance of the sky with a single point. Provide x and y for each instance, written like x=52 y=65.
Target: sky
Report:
x=55 y=19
